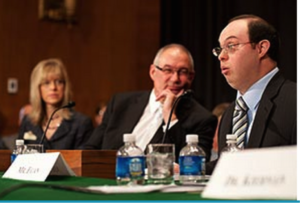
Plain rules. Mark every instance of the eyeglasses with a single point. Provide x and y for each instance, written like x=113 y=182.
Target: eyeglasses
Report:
x=56 y=82
x=168 y=71
x=229 y=48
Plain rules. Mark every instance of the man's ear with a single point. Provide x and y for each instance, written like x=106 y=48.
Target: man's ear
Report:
x=152 y=71
x=263 y=47
x=192 y=76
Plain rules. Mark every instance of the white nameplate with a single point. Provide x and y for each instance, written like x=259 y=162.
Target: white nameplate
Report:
x=266 y=173
x=37 y=167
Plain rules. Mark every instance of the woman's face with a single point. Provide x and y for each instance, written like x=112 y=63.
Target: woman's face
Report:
x=52 y=90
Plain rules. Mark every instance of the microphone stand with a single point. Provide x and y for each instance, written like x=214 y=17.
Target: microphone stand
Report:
x=171 y=112
x=69 y=105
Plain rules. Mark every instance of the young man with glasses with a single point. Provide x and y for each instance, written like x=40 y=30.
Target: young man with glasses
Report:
x=248 y=58
x=146 y=113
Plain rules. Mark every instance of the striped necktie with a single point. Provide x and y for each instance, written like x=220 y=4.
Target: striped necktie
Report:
x=240 y=121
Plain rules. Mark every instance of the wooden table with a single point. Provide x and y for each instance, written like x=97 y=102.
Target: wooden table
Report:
x=90 y=163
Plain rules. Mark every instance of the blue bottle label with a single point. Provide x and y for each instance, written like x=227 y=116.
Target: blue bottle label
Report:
x=12 y=157
x=130 y=166
x=191 y=165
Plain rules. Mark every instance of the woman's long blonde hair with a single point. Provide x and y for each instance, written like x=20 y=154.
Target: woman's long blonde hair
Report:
x=38 y=75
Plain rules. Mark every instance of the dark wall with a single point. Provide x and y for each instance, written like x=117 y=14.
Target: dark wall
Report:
x=197 y=24
x=109 y=50
x=114 y=42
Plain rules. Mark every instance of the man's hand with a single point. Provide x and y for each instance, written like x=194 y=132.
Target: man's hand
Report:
x=167 y=98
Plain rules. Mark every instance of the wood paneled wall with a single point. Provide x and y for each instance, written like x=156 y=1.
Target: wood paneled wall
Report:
x=108 y=51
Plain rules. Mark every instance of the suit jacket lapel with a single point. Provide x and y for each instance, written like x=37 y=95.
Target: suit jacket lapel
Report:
x=130 y=112
x=62 y=130
x=225 y=126
x=259 y=124
x=136 y=110
x=263 y=112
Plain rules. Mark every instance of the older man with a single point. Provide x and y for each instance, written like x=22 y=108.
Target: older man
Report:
x=146 y=113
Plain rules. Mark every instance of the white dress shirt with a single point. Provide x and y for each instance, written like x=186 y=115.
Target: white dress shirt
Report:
x=149 y=122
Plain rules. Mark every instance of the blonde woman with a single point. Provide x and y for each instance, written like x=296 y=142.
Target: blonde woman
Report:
x=50 y=89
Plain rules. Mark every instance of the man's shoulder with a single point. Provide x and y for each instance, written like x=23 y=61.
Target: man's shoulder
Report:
x=123 y=96
x=288 y=84
x=287 y=94
x=281 y=87
x=199 y=106
x=195 y=108
x=281 y=84
x=131 y=93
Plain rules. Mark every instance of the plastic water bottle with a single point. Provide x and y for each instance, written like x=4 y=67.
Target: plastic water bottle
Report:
x=192 y=162
x=19 y=147
x=130 y=163
x=231 y=140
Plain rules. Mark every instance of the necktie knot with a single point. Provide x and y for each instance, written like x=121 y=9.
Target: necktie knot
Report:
x=240 y=104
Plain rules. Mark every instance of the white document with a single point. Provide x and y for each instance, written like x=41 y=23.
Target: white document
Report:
x=266 y=173
x=37 y=167
x=146 y=188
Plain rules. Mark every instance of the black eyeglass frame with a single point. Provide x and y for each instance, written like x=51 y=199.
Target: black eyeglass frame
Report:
x=169 y=71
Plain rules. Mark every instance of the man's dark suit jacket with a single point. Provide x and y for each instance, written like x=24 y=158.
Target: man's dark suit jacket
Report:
x=124 y=111
x=71 y=134
x=275 y=123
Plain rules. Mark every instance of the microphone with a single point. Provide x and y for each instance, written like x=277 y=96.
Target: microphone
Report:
x=69 y=105
x=188 y=92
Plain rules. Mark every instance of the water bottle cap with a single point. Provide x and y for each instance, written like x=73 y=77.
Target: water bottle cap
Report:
x=19 y=142
x=129 y=137
x=231 y=137
x=192 y=138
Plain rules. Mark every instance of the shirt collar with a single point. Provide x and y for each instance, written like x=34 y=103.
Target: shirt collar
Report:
x=254 y=93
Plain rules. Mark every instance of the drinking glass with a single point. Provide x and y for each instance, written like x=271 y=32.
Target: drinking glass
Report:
x=33 y=148
x=160 y=158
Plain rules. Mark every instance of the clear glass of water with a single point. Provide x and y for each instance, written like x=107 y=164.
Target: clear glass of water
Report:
x=160 y=158
x=33 y=148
